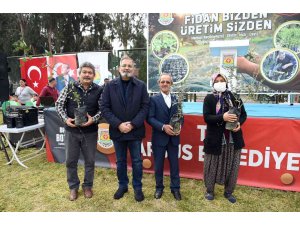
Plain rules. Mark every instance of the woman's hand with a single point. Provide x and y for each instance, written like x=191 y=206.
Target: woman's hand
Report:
x=229 y=117
x=238 y=127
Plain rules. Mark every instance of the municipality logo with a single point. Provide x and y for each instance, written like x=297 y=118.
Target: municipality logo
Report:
x=104 y=140
x=165 y=18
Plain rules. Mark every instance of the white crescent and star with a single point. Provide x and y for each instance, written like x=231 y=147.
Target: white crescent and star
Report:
x=34 y=68
x=35 y=84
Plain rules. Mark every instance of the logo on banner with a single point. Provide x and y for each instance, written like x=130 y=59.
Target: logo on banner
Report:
x=97 y=77
x=104 y=143
x=165 y=18
x=228 y=60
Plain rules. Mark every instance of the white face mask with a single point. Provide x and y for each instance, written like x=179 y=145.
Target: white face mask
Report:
x=220 y=86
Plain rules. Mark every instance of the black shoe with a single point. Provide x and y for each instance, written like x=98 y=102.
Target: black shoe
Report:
x=139 y=195
x=176 y=195
x=158 y=194
x=120 y=193
x=209 y=196
x=230 y=197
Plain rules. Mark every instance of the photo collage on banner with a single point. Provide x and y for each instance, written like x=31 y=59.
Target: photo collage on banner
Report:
x=260 y=50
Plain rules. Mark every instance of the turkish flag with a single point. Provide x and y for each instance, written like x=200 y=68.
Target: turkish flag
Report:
x=34 y=71
x=56 y=62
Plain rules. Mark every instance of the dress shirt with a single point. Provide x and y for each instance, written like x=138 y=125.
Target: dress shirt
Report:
x=167 y=99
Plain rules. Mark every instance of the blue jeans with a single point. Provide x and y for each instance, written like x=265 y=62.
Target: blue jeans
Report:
x=134 y=147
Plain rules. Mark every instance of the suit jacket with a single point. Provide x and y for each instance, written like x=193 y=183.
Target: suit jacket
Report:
x=116 y=110
x=159 y=114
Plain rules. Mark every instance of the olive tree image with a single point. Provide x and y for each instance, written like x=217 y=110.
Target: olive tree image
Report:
x=288 y=36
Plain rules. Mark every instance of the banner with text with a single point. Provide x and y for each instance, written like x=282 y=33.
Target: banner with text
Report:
x=266 y=161
x=262 y=49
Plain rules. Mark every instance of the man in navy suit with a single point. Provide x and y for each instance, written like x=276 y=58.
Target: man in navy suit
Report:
x=124 y=105
x=164 y=139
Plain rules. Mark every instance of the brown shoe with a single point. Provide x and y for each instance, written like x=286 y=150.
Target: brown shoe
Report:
x=88 y=192
x=73 y=194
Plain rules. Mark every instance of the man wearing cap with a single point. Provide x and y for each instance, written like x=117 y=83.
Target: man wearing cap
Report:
x=49 y=90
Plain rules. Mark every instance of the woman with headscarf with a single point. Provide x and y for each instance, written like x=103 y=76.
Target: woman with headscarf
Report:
x=24 y=92
x=222 y=147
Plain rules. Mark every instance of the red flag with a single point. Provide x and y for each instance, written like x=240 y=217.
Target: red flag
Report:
x=34 y=71
x=56 y=62
x=63 y=68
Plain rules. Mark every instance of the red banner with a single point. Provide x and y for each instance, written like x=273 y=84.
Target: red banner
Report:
x=63 y=68
x=270 y=159
x=34 y=71
x=56 y=62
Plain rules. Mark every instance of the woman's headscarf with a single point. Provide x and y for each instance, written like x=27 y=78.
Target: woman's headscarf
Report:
x=214 y=77
x=223 y=99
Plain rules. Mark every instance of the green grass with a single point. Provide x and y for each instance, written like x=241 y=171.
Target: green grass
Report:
x=43 y=188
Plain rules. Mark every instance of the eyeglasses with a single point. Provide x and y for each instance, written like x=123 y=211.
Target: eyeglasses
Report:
x=165 y=81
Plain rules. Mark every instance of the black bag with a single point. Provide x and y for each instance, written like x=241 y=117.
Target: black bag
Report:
x=29 y=114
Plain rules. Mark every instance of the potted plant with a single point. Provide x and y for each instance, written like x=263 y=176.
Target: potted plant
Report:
x=236 y=104
x=177 y=118
x=80 y=112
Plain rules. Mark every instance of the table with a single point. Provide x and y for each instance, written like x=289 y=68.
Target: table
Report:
x=6 y=131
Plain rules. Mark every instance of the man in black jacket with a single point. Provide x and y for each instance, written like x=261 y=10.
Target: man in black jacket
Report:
x=82 y=137
x=124 y=105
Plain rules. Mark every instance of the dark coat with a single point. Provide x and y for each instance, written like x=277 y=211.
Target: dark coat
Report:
x=159 y=114
x=115 y=111
x=216 y=126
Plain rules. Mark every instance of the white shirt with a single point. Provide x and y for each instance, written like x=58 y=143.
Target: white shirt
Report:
x=24 y=94
x=167 y=99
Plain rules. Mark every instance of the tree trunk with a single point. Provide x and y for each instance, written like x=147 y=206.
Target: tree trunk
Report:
x=49 y=40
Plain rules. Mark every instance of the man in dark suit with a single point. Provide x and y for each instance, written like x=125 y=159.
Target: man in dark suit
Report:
x=164 y=139
x=124 y=105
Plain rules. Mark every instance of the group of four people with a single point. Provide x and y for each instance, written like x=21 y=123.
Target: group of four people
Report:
x=125 y=104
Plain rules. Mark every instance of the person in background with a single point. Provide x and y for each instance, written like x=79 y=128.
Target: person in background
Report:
x=34 y=99
x=14 y=100
x=49 y=90
x=24 y=92
x=124 y=105
x=162 y=107
x=222 y=147
x=64 y=78
x=106 y=80
x=285 y=63
x=84 y=138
